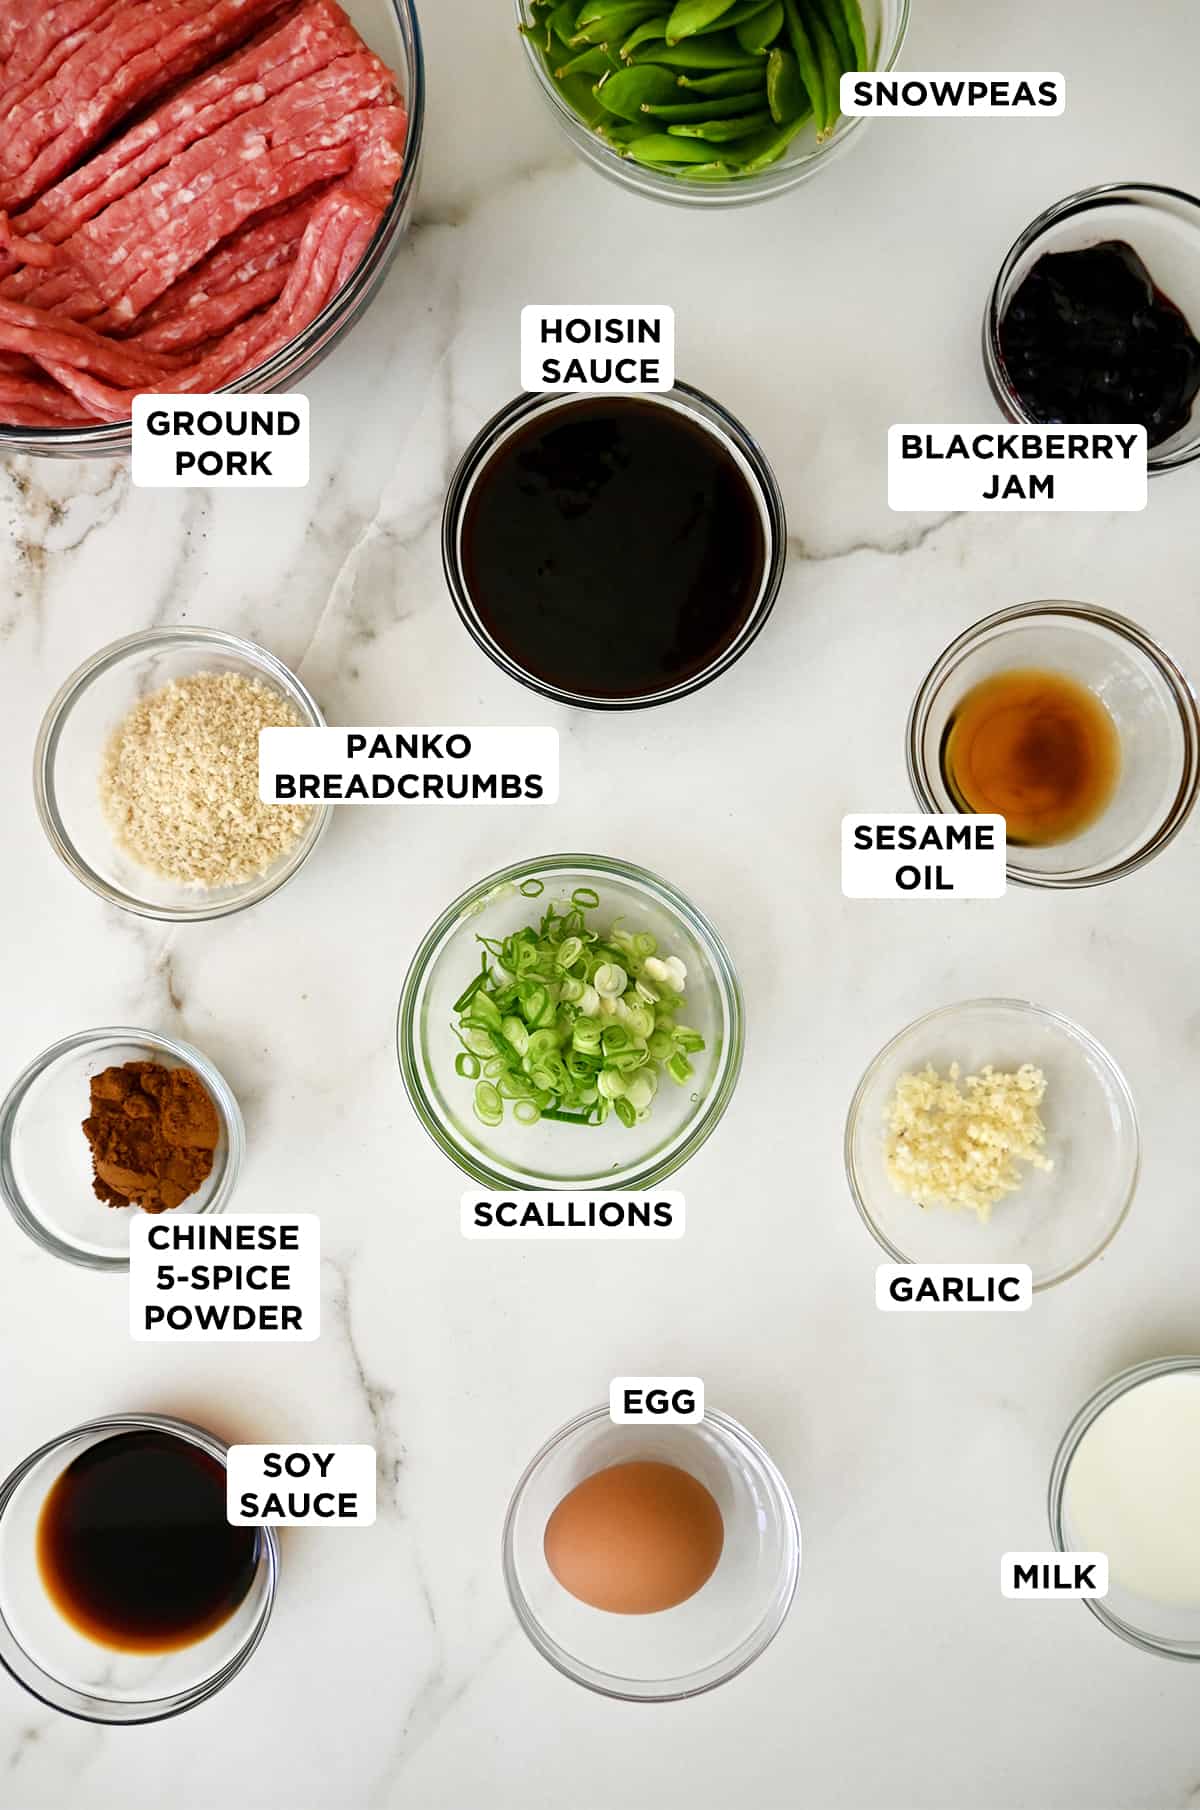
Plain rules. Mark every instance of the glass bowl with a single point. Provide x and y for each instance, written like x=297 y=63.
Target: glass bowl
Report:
x=1157 y=1626
x=707 y=415
x=390 y=29
x=546 y=1156
x=1058 y=1220
x=1148 y=697
x=45 y=1160
x=1163 y=227
x=70 y=746
x=886 y=24
x=78 y=1676
x=706 y=1640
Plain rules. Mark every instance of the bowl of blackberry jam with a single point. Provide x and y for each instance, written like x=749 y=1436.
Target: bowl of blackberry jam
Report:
x=614 y=551
x=1094 y=317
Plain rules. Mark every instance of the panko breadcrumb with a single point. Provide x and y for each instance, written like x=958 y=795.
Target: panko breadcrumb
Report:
x=179 y=781
x=952 y=1145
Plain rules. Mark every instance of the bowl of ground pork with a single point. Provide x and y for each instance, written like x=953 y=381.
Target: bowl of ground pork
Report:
x=146 y=774
x=195 y=195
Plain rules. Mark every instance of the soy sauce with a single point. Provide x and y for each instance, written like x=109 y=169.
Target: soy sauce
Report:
x=613 y=548
x=1037 y=747
x=133 y=1546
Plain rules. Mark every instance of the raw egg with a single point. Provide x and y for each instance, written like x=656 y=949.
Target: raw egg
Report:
x=636 y=1538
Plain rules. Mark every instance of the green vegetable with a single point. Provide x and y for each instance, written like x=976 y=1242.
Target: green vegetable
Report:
x=720 y=51
x=831 y=72
x=757 y=33
x=630 y=91
x=692 y=16
x=806 y=57
x=568 y=1025
x=732 y=81
x=718 y=131
x=785 y=91
x=733 y=105
x=666 y=84
x=858 y=33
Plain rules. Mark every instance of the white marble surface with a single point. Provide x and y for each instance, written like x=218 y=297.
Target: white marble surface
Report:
x=393 y=1673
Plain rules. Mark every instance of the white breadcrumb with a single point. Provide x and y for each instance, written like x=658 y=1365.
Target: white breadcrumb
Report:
x=948 y=1145
x=179 y=781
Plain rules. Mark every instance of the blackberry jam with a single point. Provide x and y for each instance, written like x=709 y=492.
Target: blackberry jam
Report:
x=1089 y=337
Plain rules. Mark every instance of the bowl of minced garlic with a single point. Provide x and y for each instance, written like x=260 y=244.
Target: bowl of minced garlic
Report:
x=146 y=774
x=961 y=1141
x=993 y=1131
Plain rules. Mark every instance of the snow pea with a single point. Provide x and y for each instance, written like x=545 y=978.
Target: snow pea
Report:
x=719 y=131
x=648 y=29
x=720 y=51
x=603 y=21
x=858 y=33
x=786 y=96
x=741 y=14
x=806 y=56
x=760 y=31
x=751 y=154
x=831 y=72
x=834 y=15
x=597 y=61
x=729 y=81
x=628 y=91
x=687 y=111
x=657 y=149
x=692 y=16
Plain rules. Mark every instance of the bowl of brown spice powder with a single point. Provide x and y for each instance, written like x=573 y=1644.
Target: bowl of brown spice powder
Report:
x=146 y=774
x=110 y=1123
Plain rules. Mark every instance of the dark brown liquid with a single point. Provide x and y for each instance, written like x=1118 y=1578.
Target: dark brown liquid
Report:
x=613 y=549
x=134 y=1548
x=1037 y=747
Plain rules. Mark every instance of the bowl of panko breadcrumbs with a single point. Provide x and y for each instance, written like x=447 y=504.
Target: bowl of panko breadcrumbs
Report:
x=146 y=774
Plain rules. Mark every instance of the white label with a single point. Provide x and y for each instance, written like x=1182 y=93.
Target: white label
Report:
x=667 y=1401
x=220 y=442
x=940 y=93
x=1054 y=1574
x=911 y=855
x=953 y=1287
x=954 y=466
x=300 y=1486
x=339 y=765
x=603 y=349
x=237 y=1277
x=572 y=1218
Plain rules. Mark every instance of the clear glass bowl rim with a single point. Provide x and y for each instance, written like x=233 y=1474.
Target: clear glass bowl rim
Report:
x=160 y=1708
x=991 y=1004
x=1124 y=629
x=776 y=179
x=713 y=1108
x=223 y=1098
x=293 y=362
x=1088 y=1414
x=63 y=701
x=503 y=424
x=1081 y=202
x=676 y=1689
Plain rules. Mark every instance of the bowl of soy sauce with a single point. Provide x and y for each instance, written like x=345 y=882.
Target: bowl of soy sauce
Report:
x=125 y=1594
x=614 y=551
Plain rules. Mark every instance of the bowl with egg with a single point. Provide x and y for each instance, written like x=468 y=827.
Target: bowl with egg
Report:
x=993 y=1131
x=651 y=1563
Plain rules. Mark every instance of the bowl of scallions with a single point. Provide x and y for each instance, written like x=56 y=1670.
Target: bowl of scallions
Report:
x=570 y=1022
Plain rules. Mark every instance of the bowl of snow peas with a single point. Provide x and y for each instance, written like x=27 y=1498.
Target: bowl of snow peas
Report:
x=707 y=102
x=570 y=1022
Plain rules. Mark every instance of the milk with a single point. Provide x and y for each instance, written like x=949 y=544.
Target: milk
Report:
x=1133 y=1490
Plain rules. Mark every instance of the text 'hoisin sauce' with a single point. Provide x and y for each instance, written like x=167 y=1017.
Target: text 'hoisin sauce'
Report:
x=134 y=1548
x=613 y=548
x=1037 y=747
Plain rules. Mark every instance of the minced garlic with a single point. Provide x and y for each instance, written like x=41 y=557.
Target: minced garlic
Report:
x=952 y=1145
